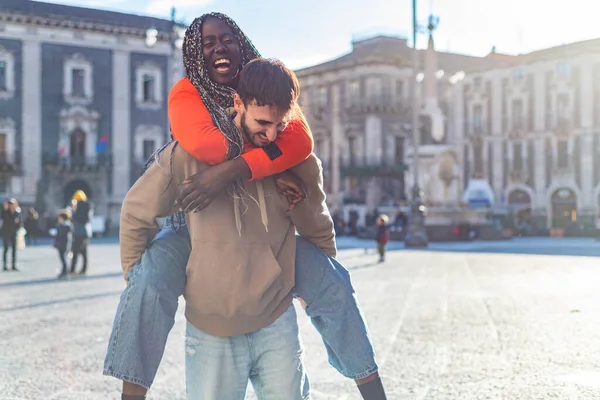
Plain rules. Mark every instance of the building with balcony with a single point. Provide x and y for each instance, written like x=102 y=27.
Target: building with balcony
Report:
x=522 y=131
x=82 y=101
x=531 y=128
x=359 y=109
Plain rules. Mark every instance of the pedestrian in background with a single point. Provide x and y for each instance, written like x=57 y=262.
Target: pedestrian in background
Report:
x=382 y=235
x=32 y=226
x=82 y=232
x=62 y=240
x=12 y=222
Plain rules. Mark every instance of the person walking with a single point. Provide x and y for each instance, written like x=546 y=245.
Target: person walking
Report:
x=12 y=221
x=82 y=216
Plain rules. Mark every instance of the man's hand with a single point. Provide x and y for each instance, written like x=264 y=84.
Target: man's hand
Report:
x=290 y=186
x=201 y=189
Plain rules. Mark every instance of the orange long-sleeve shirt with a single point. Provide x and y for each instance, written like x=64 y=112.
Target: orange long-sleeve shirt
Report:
x=193 y=127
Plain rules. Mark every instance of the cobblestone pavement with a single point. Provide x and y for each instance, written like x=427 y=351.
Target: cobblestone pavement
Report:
x=463 y=321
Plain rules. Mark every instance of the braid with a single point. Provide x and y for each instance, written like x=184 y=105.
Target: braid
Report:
x=217 y=98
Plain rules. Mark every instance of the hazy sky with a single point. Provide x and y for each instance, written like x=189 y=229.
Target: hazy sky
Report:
x=312 y=31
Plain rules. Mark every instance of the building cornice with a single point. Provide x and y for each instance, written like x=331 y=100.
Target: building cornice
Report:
x=74 y=24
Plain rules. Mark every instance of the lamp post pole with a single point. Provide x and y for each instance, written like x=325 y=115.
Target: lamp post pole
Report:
x=416 y=236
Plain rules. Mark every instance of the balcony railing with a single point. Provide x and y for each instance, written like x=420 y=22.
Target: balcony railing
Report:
x=77 y=162
x=377 y=104
x=9 y=161
x=377 y=170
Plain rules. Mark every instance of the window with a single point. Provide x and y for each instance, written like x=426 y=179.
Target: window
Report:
x=148 y=138
x=353 y=92
x=354 y=89
x=149 y=146
x=518 y=156
x=352 y=150
x=7 y=76
x=562 y=105
x=149 y=88
x=477 y=83
x=478 y=159
x=77 y=146
x=563 y=69
x=3 y=157
x=149 y=94
x=373 y=87
x=7 y=140
x=322 y=96
x=399 y=150
x=399 y=89
x=517 y=114
x=3 y=76
x=563 y=154
x=518 y=74
x=78 y=80
x=319 y=147
x=477 y=119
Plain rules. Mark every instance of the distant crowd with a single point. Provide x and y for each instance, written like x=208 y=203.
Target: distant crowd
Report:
x=71 y=234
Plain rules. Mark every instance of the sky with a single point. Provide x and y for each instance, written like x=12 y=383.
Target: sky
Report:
x=306 y=32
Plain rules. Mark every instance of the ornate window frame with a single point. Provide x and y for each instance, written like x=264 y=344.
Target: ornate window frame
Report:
x=153 y=70
x=7 y=57
x=74 y=62
x=146 y=132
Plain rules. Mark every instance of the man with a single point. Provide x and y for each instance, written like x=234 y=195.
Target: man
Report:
x=12 y=221
x=241 y=324
x=203 y=128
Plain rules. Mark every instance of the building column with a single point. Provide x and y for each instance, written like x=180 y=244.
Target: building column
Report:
x=540 y=102
x=587 y=177
x=587 y=95
x=336 y=142
x=498 y=170
x=121 y=121
x=31 y=143
x=540 y=174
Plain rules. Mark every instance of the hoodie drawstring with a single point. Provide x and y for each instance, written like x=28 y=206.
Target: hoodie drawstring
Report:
x=261 y=204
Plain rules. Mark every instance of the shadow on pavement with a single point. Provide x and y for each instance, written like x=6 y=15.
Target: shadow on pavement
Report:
x=59 y=301
x=45 y=281
x=361 y=266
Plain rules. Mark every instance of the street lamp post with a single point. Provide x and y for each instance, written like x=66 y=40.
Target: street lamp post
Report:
x=416 y=236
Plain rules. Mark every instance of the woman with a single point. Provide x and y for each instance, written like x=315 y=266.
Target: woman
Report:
x=215 y=49
x=82 y=216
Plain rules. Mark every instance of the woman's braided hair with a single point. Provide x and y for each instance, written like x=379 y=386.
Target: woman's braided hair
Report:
x=217 y=98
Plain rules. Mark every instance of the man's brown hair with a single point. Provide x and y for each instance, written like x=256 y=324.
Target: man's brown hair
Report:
x=268 y=82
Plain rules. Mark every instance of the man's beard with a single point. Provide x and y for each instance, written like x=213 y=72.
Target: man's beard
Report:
x=249 y=136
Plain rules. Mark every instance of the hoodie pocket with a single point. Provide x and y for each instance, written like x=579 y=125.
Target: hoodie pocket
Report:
x=233 y=279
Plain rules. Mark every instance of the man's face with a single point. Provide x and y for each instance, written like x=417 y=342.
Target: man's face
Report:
x=260 y=124
x=221 y=51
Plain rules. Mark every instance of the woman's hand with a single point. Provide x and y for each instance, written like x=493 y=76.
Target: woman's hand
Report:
x=202 y=188
x=290 y=186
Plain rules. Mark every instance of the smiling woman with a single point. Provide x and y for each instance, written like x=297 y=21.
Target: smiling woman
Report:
x=221 y=52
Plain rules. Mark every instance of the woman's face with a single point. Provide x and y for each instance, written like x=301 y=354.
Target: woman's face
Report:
x=221 y=51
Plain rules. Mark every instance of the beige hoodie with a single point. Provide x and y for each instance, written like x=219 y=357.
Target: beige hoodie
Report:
x=241 y=270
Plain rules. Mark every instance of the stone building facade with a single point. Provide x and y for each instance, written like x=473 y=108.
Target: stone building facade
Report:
x=531 y=128
x=82 y=101
x=523 y=132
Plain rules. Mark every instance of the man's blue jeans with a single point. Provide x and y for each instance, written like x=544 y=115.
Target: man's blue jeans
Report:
x=271 y=358
x=146 y=311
